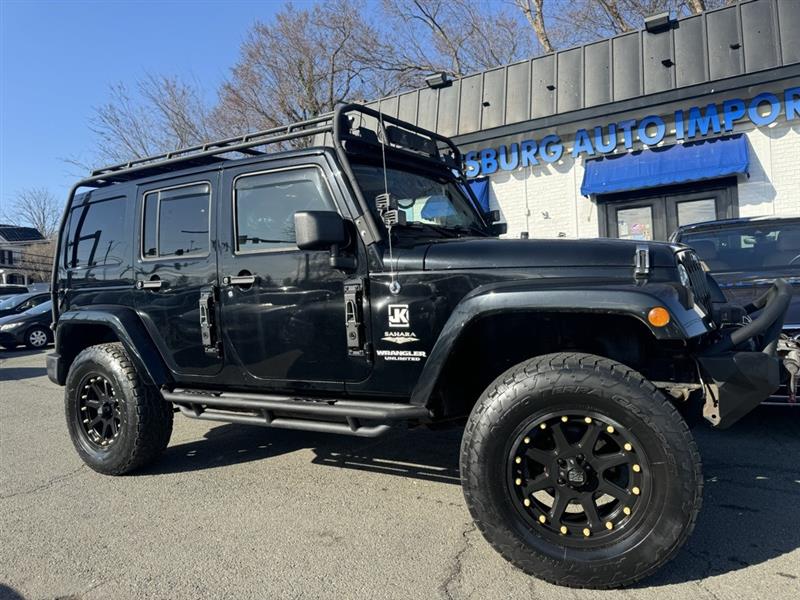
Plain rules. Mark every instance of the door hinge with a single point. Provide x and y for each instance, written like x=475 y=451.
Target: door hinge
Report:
x=354 y=317
x=208 y=327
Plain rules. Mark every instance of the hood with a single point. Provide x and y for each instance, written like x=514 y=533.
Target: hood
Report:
x=494 y=253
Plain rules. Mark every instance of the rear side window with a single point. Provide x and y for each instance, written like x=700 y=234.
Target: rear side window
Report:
x=96 y=234
x=265 y=204
x=176 y=221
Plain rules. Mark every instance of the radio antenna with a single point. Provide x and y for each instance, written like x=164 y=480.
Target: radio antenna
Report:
x=394 y=285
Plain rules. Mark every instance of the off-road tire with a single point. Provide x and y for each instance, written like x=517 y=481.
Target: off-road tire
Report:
x=146 y=419
x=31 y=338
x=575 y=382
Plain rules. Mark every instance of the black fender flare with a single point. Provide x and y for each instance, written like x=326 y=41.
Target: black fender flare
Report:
x=629 y=300
x=128 y=328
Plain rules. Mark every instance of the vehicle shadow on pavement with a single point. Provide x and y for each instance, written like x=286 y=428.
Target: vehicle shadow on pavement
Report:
x=418 y=454
x=751 y=496
x=750 y=501
x=8 y=593
x=19 y=373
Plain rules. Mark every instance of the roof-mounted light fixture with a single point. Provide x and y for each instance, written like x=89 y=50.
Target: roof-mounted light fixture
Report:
x=657 y=23
x=438 y=80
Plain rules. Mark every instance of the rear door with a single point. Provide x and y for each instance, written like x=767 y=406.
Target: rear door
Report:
x=283 y=309
x=175 y=264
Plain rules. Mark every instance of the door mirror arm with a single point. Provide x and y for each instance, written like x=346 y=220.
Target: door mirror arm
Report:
x=343 y=262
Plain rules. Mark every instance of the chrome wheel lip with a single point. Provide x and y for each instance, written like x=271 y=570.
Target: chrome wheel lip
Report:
x=37 y=338
x=100 y=413
x=576 y=535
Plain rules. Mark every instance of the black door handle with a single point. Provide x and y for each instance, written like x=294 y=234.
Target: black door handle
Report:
x=239 y=280
x=153 y=284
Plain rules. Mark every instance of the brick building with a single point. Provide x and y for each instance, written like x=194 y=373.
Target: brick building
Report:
x=684 y=121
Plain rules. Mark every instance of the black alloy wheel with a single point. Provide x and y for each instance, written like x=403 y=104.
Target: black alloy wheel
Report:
x=99 y=411
x=580 y=478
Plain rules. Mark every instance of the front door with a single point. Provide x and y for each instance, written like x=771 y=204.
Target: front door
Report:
x=652 y=215
x=175 y=262
x=283 y=312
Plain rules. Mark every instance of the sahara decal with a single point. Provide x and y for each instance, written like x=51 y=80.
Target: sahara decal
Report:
x=399 y=337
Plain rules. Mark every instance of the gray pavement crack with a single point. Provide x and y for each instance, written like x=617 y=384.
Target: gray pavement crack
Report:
x=44 y=486
x=454 y=571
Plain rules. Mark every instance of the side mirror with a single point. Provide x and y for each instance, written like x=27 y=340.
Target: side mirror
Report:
x=499 y=228
x=319 y=229
x=492 y=217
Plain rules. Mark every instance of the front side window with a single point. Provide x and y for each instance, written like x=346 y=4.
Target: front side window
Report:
x=96 y=234
x=176 y=221
x=265 y=205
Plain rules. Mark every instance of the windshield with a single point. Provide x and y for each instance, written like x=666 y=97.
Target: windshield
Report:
x=11 y=301
x=748 y=247
x=426 y=200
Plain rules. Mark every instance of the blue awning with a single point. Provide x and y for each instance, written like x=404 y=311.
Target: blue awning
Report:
x=662 y=166
x=480 y=187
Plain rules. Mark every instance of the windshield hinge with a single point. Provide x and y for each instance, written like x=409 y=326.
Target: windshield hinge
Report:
x=641 y=262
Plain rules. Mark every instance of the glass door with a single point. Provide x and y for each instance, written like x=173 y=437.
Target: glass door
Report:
x=649 y=215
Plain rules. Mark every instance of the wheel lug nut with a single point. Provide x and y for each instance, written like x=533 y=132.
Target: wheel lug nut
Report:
x=518 y=481
x=636 y=468
x=609 y=525
x=561 y=481
x=626 y=510
x=636 y=491
x=586 y=532
x=563 y=530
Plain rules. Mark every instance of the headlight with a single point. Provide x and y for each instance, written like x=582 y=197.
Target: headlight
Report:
x=10 y=326
x=683 y=274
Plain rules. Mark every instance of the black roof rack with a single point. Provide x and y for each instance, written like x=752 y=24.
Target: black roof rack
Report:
x=211 y=152
x=398 y=135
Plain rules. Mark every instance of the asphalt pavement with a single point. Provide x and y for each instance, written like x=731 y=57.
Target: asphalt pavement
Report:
x=236 y=511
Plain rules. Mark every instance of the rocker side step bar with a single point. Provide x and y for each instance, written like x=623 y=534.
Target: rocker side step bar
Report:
x=288 y=412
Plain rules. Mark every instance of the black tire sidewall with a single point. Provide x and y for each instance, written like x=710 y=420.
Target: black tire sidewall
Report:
x=658 y=531
x=96 y=362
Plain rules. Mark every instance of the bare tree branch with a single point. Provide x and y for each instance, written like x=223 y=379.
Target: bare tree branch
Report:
x=532 y=9
x=37 y=208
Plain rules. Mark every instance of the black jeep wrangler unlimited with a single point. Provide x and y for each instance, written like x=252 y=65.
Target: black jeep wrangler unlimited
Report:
x=352 y=284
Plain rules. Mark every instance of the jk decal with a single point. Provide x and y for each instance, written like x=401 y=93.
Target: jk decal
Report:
x=398 y=315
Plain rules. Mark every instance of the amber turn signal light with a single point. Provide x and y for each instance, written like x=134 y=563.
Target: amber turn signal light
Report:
x=658 y=316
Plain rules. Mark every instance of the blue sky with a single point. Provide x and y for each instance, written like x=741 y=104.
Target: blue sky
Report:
x=58 y=58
